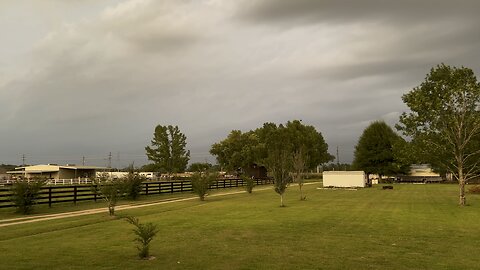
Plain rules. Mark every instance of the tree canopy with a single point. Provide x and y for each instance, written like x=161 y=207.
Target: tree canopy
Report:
x=167 y=149
x=275 y=147
x=374 y=152
x=200 y=167
x=240 y=150
x=444 y=121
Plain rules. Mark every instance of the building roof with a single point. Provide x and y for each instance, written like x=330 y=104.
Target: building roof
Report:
x=344 y=172
x=52 y=168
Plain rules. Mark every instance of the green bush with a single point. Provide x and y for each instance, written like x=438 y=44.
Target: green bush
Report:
x=25 y=194
x=133 y=185
x=249 y=183
x=201 y=182
x=144 y=235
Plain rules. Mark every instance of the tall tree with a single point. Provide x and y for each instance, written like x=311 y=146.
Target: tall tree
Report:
x=374 y=152
x=168 y=149
x=444 y=121
x=308 y=142
x=279 y=158
x=275 y=147
x=238 y=150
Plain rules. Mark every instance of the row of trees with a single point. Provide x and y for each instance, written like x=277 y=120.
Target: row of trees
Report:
x=286 y=150
x=442 y=128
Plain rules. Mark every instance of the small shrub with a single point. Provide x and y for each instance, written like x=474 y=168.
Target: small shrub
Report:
x=133 y=185
x=474 y=189
x=144 y=235
x=249 y=183
x=25 y=194
x=110 y=190
x=201 y=182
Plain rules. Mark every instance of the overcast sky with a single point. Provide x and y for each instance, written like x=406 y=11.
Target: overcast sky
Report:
x=85 y=78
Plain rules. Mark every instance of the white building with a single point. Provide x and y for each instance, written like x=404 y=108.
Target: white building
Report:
x=54 y=171
x=345 y=179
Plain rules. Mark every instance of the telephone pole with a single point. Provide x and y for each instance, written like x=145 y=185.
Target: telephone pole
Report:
x=83 y=160
x=338 y=159
x=110 y=160
x=23 y=159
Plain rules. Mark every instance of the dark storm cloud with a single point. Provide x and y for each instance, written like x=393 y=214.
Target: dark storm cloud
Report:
x=348 y=11
x=101 y=84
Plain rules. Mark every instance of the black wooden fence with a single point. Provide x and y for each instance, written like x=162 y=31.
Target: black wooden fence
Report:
x=76 y=193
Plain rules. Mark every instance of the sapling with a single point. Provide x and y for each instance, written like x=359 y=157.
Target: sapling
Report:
x=144 y=235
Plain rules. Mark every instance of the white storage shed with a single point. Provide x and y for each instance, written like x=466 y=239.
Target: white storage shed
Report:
x=344 y=179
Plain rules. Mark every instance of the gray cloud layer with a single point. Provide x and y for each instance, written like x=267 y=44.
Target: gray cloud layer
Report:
x=99 y=81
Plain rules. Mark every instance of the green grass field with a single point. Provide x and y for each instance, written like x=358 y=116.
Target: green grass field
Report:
x=410 y=227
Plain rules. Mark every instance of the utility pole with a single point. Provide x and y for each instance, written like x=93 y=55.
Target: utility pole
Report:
x=110 y=160
x=338 y=159
x=83 y=160
x=118 y=161
x=23 y=159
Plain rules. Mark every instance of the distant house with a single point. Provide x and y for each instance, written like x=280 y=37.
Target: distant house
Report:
x=422 y=170
x=256 y=171
x=421 y=173
x=344 y=179
x=54 y=171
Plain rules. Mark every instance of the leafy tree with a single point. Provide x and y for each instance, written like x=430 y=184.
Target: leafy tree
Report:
x=168 y=149
x=444 y=121
x=132 y=184
x=111 y=191
x=279 y=158
x=374 y=152
x=274 y=147
x=199 y=167
x=238 y=150
x=144 y=235
x=299 y=168
x=151 y=167
x=201 y=183
x=309 y=143
x=25 y=194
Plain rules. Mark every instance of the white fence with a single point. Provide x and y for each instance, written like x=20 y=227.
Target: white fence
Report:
x=55 y=182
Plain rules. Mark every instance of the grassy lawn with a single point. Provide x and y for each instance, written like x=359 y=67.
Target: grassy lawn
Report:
x=410 y=227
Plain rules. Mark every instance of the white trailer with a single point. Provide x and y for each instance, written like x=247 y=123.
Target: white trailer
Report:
x=344 y=179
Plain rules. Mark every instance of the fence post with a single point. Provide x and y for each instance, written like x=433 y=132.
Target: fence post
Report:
x=236 y=182
x=171 y=187
x=75 y=194
x=146 y=188
x=181 y=186
x=95 y=193
x=49 y=196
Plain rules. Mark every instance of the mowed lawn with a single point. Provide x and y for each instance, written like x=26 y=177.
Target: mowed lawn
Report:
x=409 y=227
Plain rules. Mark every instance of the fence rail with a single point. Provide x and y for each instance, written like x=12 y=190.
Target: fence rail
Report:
x=85 y=192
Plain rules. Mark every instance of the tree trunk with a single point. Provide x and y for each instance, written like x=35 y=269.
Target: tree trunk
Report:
x=463 y=200
x=281 y=200
x=461 y=183
x=111 y=210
